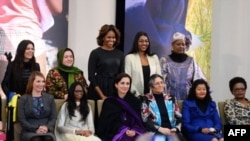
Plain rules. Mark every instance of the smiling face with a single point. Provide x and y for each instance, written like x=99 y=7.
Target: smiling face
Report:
x=123 y=86
x=143 y=43
x=109 y=40
x=38 y=84
x=29 y=52
x=158 y=86
x=239 y=91
x=78 y=93
x=68 y=59
x=179 y=46
x=201 y=91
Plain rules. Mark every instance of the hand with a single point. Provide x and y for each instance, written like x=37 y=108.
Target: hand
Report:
x=130 y=133
x=85 y=133
x=173 y=130
x=42 y=129
x=65 y=96
x=205 y=130
x=165 y=131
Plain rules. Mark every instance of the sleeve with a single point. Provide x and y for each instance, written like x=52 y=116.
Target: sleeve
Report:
x=216 y=118
x=52 y=117
x=122 y=63
x=109 y=121
x=37 y=67
x=129 y=70
x=90 y=121
x=55 y=83
x=186 y=119
x=25 y=124
x=158 y=66
x=61 y=119
x=92 y=67
x=198 y=74
x=6 y=80
x=230 y=114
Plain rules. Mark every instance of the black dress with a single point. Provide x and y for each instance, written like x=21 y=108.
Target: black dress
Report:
x=103 y=65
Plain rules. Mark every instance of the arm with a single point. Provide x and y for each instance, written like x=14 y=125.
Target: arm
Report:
x=129 y=69
x=6 y=80
x=186 y=119
x=198 y=74
x=55 y=84
x=61 y=120
x=92 y=69
x=25 y=124
x=90 y=121
x=55 y=6
x=158 y=66
x=52 y=118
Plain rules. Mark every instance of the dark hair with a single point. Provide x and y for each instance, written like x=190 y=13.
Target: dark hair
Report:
x=135 y=48
x=84 y=108
x=103 y=32
x=32 y=77
x=192 y=93
x=19 y=57
x=152 y=79
x=117 y=79
x=236 y=80
x=188 y=41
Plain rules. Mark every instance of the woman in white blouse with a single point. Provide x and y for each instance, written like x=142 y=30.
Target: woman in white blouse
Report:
x=140 y=63
x=75 y=120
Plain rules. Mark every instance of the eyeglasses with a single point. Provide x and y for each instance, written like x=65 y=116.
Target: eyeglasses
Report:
x=78 y=91
x=239 y=89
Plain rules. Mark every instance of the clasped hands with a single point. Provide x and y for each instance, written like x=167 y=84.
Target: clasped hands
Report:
x=85 y=133
x=42 y=129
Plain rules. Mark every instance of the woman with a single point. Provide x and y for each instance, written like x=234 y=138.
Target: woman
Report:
x=160 y=111
x=104 y=63
x=18 y=71
x=37 y=111
x=200 y=118
x=237 y=110
x=75 y=120
x=179 y=69
x=140 y=63
x=61 y=77
x=120 y=116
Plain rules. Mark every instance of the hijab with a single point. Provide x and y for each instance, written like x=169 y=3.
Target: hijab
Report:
x=70 y=70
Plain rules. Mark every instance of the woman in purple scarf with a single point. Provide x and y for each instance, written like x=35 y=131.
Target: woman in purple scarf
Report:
x=120 y=116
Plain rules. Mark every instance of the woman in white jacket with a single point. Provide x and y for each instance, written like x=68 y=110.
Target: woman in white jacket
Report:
x=140 y=64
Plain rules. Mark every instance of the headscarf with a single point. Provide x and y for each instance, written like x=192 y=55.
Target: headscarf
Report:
x=70 y=70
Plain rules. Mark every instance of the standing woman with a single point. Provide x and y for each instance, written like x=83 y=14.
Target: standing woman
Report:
x=104 y=63
x=140 y=63
x=37 y=111
x=64 y=74
x=75 y=120
x=179 y=69
x=18 y=71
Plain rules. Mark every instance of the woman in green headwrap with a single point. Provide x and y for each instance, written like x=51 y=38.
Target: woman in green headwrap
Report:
x=63 y=75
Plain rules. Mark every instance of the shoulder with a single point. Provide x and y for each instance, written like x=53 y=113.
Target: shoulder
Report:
x=48 y=96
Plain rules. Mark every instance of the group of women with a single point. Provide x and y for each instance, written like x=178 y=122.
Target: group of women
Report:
x=132 y=87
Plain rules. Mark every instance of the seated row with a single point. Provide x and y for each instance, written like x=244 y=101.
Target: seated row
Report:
x=121 y=117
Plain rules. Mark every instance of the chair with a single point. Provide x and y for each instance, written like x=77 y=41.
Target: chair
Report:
x=221 y=105
x=180 y=102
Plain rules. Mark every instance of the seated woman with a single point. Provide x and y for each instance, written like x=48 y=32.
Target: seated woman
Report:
x=120 y=116
x=37 y=111
x=200 y=118
x=60 y=78
x=237 y=110
x=160 y=111
x=75 y=120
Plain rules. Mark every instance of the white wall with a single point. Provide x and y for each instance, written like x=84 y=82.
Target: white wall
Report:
x=230 y=36
x=85 y=19
x=230 y=45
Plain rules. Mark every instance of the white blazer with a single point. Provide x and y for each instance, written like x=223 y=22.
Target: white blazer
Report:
x=133 y=67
